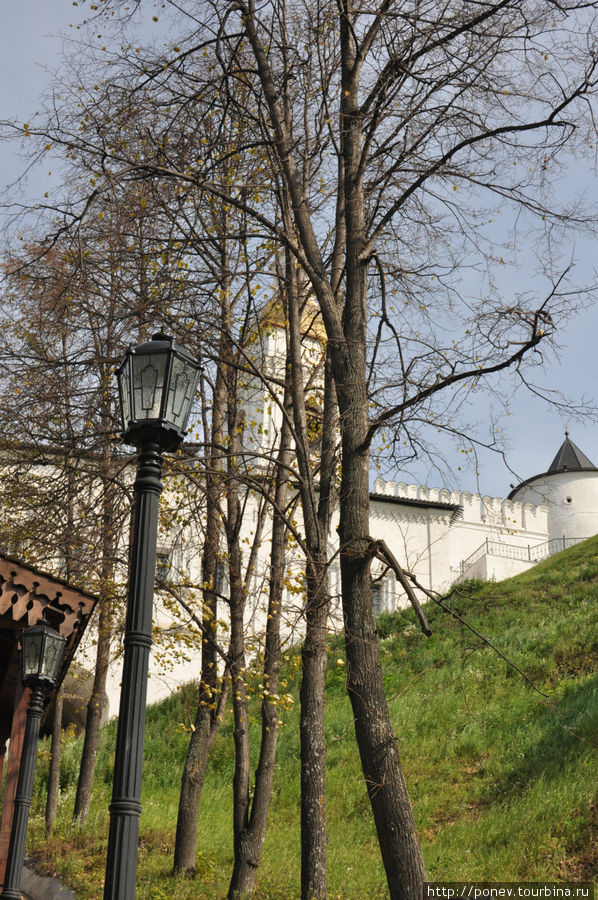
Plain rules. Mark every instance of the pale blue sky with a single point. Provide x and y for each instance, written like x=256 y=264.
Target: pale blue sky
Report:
x=28 y=45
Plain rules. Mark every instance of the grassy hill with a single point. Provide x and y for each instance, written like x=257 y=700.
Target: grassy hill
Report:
x=502 y=775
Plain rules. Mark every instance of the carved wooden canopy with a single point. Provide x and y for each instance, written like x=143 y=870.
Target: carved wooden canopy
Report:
x=25 y=595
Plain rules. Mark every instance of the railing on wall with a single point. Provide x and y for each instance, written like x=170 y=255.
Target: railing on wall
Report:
x=533 y=554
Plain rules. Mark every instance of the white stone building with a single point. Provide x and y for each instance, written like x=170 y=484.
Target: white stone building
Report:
x=444 y=537
x=440 y=536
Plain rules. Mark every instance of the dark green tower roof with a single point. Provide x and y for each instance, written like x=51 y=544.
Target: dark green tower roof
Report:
x=570 y=458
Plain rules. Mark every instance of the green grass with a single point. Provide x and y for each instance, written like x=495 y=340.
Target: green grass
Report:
x=502 y=777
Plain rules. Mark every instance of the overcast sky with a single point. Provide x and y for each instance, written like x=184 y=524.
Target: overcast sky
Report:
x=29 y=45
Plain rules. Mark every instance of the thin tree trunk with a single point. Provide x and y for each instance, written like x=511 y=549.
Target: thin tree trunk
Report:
x=97 y=702
x=314 y=838
x=316 y=517
x=241 y=878
x=71 y=574
x=249 y=841
x=207 y=723
x=95 y=713
x=54 y=774
x=207 y=719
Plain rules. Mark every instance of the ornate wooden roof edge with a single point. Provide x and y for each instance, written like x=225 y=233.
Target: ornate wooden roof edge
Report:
x=26 y=593
x=51 y=579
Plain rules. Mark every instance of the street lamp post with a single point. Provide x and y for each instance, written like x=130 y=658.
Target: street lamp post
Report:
x=42 y=649
x=157 y=382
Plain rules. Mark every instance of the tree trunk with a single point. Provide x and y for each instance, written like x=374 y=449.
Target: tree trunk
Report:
x=249 y=841
x=207 y=723
x=316 y=520
x=54 y=774
x=243 y=875
x=207 y=719
x=93 y=720
x=376 y=740
x=97 y=702
x=313 y=655
x=377 y=743
x=314 y=838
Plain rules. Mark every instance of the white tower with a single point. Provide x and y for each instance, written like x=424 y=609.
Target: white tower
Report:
x=261 y=391
x=570 y=488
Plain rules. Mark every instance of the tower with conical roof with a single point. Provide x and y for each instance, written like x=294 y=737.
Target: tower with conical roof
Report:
x=570 y=459
x=570 y=488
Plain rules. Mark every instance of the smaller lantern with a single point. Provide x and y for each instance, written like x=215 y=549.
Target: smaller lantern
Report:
x=42 y=651
x=157 y=382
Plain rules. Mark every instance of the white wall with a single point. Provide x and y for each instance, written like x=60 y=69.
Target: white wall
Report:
x=432 y=542
x=496 y=568
x=571 y=499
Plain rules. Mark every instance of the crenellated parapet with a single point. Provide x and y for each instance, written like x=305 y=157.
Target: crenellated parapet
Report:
x=477 y=509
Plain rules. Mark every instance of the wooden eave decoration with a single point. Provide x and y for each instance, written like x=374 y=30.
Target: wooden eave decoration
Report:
x=26 y=594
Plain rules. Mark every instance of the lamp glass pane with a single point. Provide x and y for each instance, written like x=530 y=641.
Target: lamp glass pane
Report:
x=148 y=381
x=32 y=649
x=52 y=656
x=125 y=394
x=181 y=390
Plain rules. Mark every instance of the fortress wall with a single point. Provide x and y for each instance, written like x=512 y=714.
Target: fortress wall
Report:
x=509 y=516
x=535 y=518
x=432 y=542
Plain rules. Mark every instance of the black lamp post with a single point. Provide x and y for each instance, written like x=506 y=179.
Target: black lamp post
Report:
x=157 y=382
x=41 y=654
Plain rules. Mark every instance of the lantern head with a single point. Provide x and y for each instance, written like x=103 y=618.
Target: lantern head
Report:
x=156 y=382
x=42 y=651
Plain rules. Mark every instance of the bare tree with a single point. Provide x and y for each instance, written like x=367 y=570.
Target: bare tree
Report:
x=69 y=312
x=390 y=59
x=65 y=444
x=423 y=122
